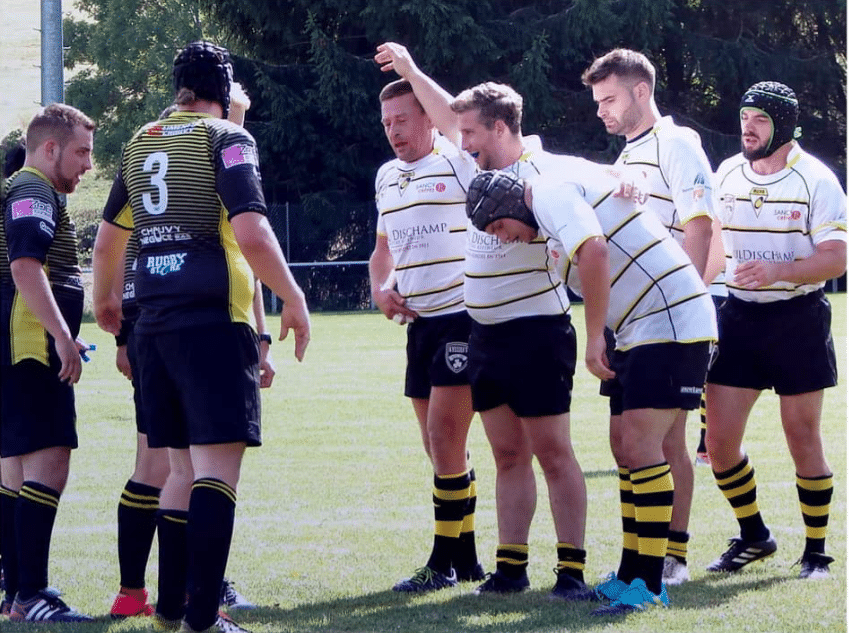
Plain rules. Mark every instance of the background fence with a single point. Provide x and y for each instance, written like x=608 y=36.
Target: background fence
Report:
x=331 y=262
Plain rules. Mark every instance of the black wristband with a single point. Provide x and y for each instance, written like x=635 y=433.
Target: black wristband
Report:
x=265 y=337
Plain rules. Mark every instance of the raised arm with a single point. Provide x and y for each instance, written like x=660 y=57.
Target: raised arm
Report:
x=435 y=100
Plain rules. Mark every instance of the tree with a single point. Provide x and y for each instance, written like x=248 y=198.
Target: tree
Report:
x=307 y=65
x=126 y=51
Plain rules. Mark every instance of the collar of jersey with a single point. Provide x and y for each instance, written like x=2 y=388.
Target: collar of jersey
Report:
x=35 y=171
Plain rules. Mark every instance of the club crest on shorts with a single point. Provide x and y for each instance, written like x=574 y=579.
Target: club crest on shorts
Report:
x=457 y=356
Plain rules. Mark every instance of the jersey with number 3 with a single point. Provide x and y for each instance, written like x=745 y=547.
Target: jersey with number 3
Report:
x=181 y=181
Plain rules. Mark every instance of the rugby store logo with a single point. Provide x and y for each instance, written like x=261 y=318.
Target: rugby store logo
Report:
x=457 y=356
x=165 y=264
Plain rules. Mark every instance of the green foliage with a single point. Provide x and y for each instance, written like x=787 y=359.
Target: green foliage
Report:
x=307 y=65
x=10 y=142
x=125 y=53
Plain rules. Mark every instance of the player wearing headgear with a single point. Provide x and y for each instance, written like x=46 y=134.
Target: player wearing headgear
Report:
x=190 y=187
x=522 y=346
x=784 y=227
x=41 y=296
x=661 y=316
x=139 y=501
x=675 y=175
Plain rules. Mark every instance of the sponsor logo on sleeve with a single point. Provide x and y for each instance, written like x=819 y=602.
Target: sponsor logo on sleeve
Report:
x=699 y=188
x=32 y=208
x=45 y=228
x=239 y=154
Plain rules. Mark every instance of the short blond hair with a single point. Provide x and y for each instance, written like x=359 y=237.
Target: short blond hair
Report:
x=495 y=102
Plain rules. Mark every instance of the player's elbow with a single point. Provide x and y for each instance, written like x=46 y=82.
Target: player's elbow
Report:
x=836 y=251
x=594 y=250
x=252 y=233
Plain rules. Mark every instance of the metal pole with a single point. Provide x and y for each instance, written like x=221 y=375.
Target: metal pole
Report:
x=52 y=77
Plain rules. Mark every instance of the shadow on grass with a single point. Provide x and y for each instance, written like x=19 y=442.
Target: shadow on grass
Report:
x=458 y=609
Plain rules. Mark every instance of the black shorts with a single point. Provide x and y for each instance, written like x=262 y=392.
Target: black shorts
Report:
x=199 y=385
x=526 y=363
x=659 y=376
x=134 y=368
x=782 y=345
x=37 y=409
x=437 y=353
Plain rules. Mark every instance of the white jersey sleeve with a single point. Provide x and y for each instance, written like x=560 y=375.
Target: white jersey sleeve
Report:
x=689 y=175
x=563 y=214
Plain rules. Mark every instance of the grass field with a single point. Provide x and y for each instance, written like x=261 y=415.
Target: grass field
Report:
x=335 y=507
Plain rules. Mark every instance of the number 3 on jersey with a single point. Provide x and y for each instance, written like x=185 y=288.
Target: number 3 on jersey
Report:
x=157 y=165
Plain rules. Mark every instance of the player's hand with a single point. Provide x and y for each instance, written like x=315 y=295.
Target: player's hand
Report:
x=68 y=351
x=107 y=313
x=596 y=358
x=631 y=191
x=122 y=362
x=393 y=306
x=266 y=366
x=392 y=56
x=756 y=274
x=296 y=317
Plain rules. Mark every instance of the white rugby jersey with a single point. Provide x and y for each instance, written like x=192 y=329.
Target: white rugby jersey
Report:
x=422 y=212
x=656 y=294
x=509 y=281
x=777 y=218
x=669 y=160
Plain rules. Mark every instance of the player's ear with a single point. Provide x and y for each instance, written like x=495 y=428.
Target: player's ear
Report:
x=642 y=91
x=51 y=148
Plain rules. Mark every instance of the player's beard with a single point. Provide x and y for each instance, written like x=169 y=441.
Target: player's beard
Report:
x=756 y=153
x=630 y=121
x=62 y=183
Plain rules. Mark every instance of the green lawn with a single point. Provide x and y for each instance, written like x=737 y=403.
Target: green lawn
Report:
x=335 y=507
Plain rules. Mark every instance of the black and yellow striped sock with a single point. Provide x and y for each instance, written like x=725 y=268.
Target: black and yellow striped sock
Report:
x=450 y=495
x=677 y=545
x=653 y=495
x=8 y=540
x=212 y=513
x=702 y=448
x=467 y=555
x=630 y=546
x=815 y=499
x=35 y=514
x=571 y=560
x=739 y=487
x=511 y=559
x=171 y=532
x=136 y=526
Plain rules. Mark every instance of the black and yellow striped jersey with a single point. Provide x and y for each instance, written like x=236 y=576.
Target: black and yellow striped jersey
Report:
x=36 y=224
x=180 y=181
